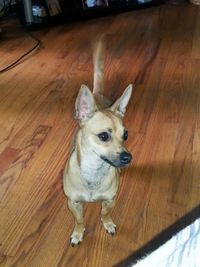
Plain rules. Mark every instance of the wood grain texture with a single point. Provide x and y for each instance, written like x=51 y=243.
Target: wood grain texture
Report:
x=156 y=49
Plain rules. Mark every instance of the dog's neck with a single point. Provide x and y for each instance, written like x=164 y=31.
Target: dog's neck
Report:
x=93 y=169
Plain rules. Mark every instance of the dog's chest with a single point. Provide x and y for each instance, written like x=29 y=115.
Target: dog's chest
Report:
x=94 y=173
x=103 y=190
x=100 y=180
x=93 y=180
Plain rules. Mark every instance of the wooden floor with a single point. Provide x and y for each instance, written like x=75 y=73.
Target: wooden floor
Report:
x=158 y=50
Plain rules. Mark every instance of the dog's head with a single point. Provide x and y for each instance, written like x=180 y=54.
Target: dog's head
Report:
x=103 y=131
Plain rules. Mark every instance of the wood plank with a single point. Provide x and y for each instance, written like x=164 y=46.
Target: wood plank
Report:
x=196 y=38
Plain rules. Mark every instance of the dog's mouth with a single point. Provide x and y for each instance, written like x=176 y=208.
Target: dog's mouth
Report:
x=109 y=162
x=121 y=161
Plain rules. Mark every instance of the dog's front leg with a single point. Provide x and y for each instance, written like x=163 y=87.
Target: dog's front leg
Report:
x=77 y=210
x=106 y=218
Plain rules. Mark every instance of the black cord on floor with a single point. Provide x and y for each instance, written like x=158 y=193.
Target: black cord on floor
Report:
x=15 y=63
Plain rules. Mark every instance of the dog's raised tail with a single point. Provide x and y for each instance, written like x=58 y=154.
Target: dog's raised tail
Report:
x=98 y=63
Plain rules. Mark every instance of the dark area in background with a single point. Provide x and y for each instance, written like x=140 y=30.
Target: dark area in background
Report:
x=74 y=10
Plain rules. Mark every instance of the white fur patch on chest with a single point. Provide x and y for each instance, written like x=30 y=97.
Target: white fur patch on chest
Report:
x=94 y=170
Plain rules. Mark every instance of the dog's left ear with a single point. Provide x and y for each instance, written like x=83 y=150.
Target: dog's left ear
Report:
x=85 y=105
x=121 y=103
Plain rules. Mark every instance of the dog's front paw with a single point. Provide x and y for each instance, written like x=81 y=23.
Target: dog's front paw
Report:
x=77 y=236
x=76 y=239
x=110 y=227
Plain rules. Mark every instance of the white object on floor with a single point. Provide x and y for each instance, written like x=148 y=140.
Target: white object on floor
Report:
x=182 y=250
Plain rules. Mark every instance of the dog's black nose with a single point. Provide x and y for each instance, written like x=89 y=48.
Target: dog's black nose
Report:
x=125 y=158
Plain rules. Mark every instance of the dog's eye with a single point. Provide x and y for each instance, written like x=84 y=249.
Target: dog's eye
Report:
x=125 y=136
x=104 y=136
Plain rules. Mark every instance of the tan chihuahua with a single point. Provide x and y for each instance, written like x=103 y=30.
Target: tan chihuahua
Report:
x=92 y=171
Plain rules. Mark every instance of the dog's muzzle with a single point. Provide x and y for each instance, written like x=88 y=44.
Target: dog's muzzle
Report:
x=122 y=160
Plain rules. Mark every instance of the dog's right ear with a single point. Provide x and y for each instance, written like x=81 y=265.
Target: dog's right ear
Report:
x=85 y=105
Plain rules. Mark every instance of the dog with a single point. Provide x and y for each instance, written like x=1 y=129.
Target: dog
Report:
x=92 y=170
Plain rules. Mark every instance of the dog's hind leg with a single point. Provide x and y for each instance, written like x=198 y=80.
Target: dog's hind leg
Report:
x=106 y=218
x=77 y=210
